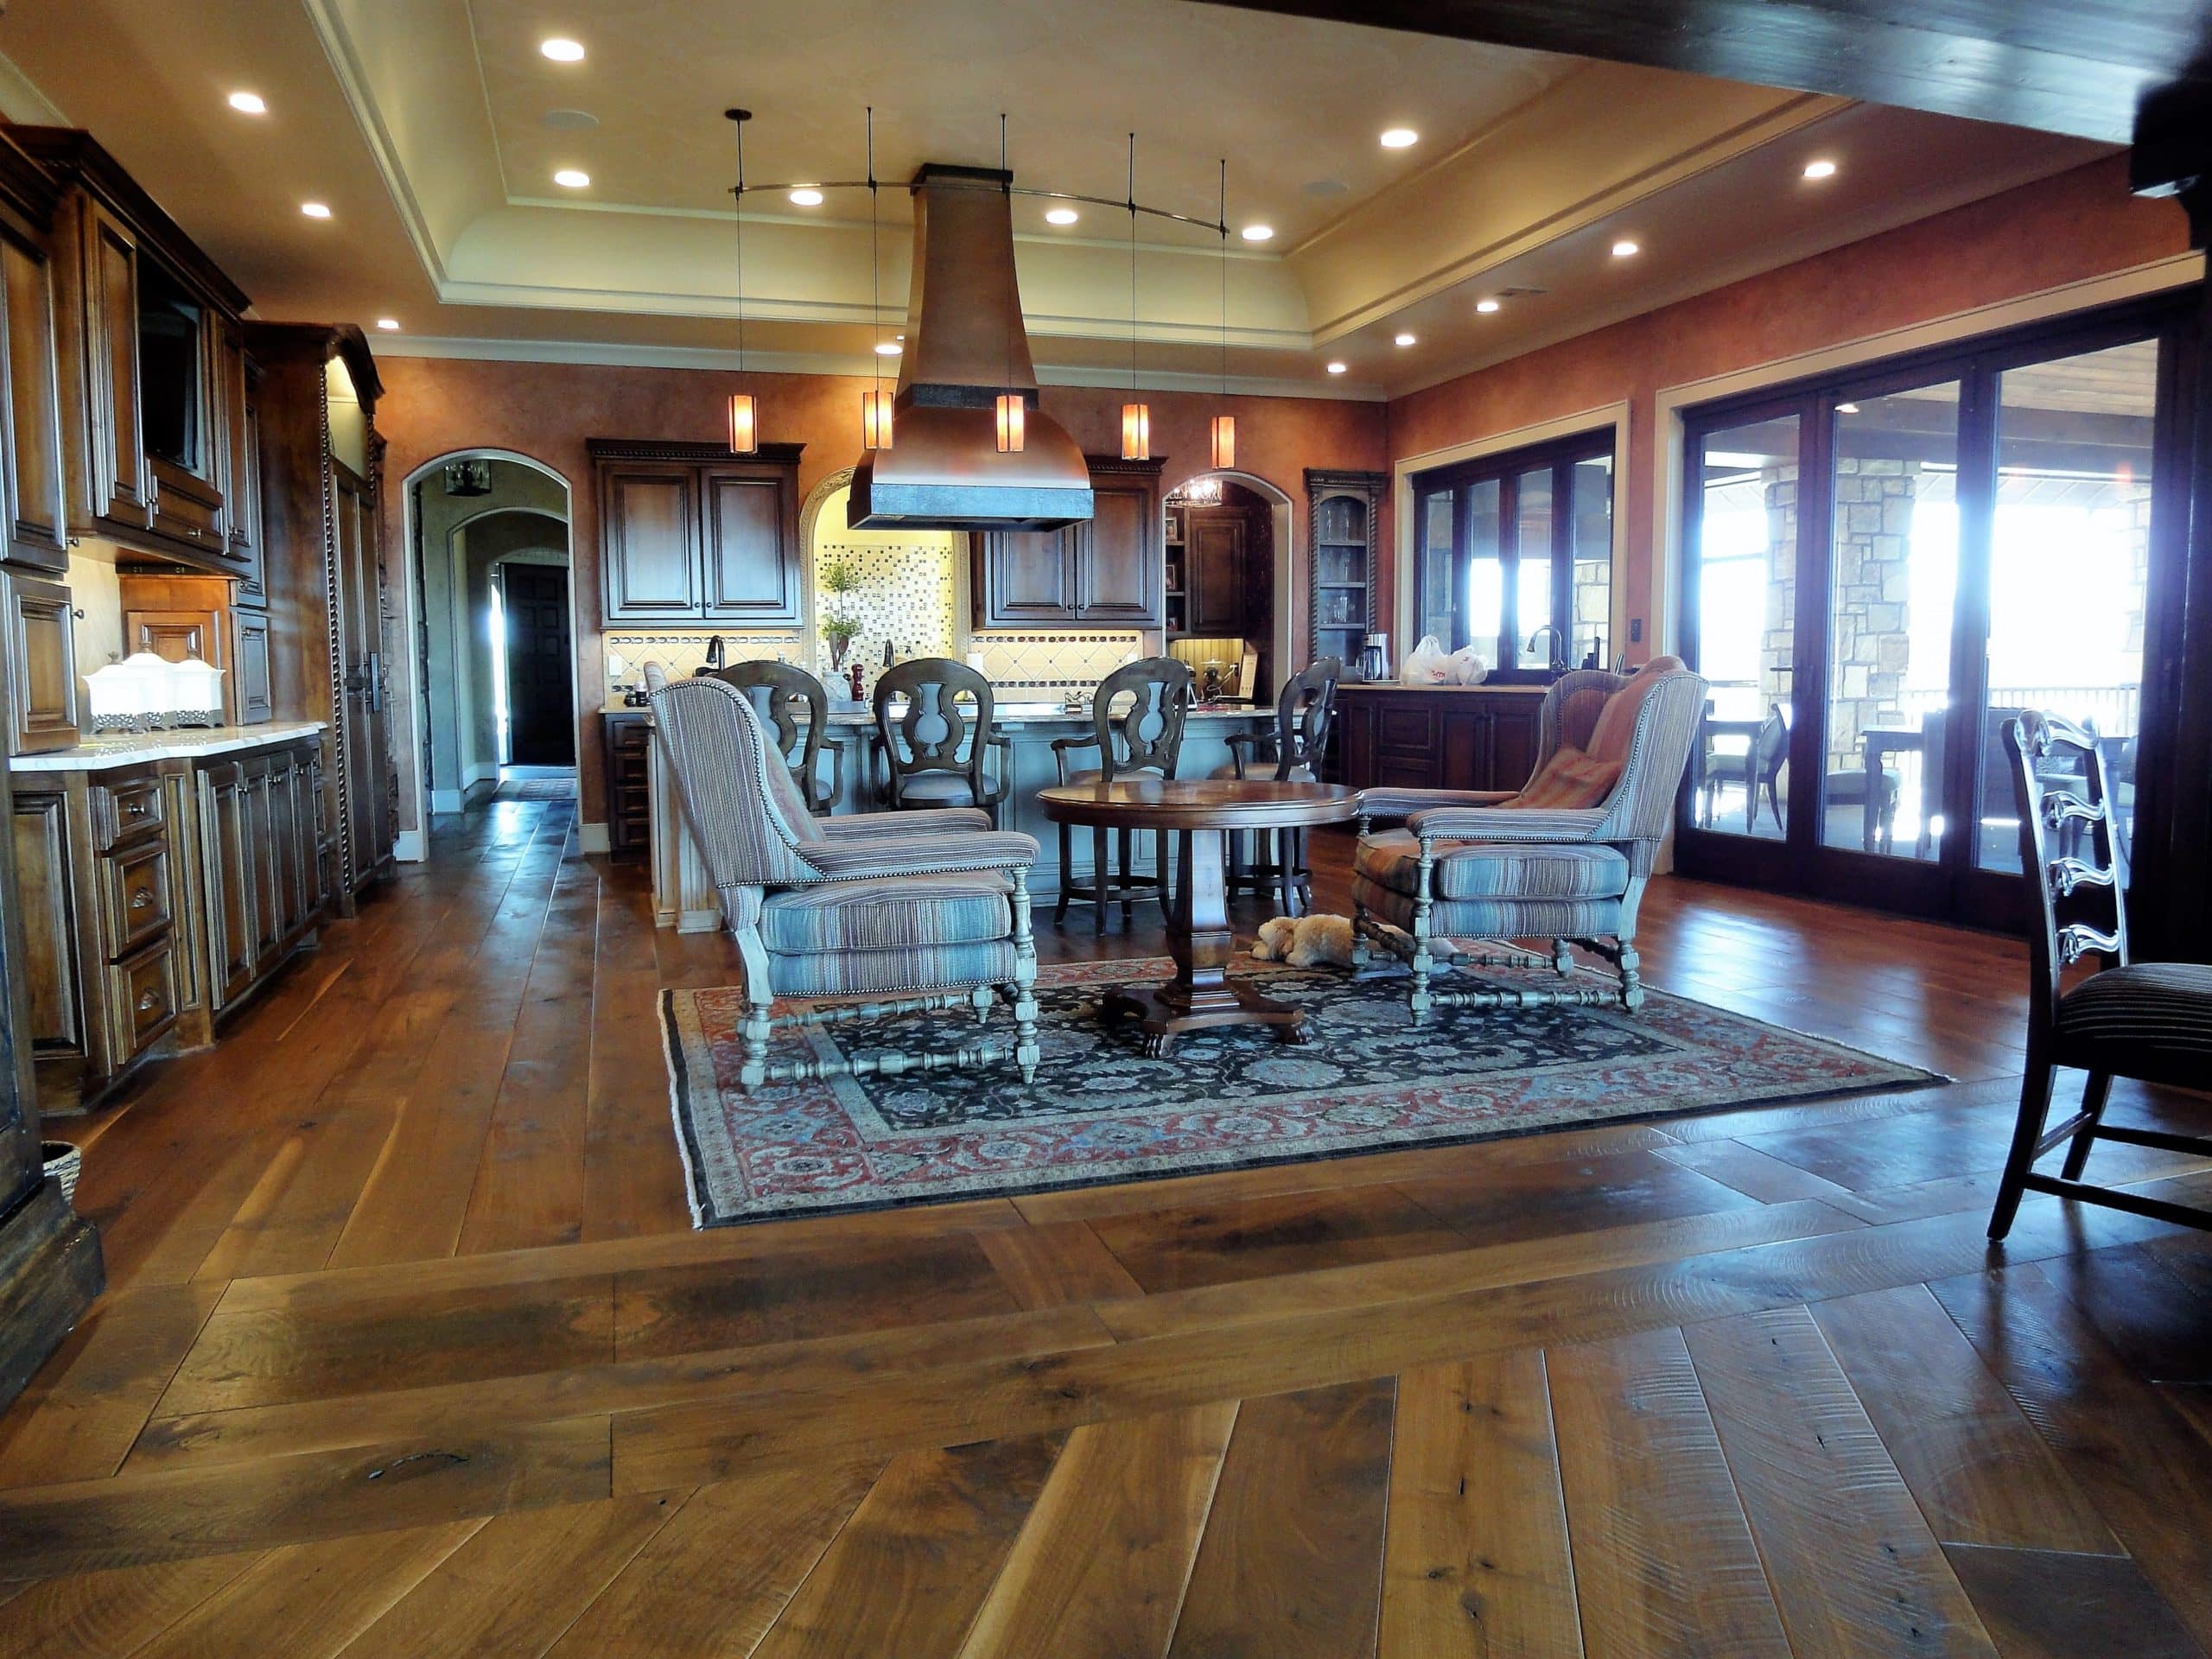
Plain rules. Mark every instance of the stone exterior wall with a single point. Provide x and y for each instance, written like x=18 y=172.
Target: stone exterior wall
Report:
x=1868 y=646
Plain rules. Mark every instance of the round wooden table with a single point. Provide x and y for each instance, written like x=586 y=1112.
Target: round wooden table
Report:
x=1199 y=812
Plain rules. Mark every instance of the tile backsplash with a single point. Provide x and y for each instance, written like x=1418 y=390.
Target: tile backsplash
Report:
x=684 y=653
x=1051 y=660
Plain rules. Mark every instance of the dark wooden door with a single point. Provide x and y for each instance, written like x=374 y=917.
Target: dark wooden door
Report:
x=1120 y=578
x=1215 y=572
x=232 y=873
x=541 y=721
x=649 y=518
x=121 y=489
x=751 y=551
x=360 y=625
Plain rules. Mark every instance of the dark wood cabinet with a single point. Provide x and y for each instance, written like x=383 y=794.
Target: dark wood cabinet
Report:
x=30 y=459
x=176 y=617
x=629 y=782
x=693 y=533
x=1214 y=573
x=1342 y=512
x=242 y=464
x=1443 y=739
x=41 y=655
x=1106 y=572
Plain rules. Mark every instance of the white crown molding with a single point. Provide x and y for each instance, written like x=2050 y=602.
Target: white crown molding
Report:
x=615 y=354
x=353 y=82
x=20 y=101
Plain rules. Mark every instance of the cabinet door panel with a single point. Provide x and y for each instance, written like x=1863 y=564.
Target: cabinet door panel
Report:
x=42 y=832
x=1119 y=559
x=1514 y=730
x=1028 y=578
x=38 y=528
x=122 y=487
x=230 y=857
x=650 y=534
x=241 y=480
x=752 y=565
x=44 y=665
x=1214 y=568
x=252 y=700
x=1465 y=759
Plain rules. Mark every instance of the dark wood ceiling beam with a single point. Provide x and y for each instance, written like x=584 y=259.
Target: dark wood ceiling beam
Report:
x=2081 y=68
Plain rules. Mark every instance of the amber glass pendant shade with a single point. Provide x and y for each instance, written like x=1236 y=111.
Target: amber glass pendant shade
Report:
x=1224 y=442
x=875 y=420
x=1012 y=410
x=1136 y=431
x=744 y=423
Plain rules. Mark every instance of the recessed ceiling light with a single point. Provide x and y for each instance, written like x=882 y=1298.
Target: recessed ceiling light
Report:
x=806 y=196
x=1400 y=138
x=249 y=104
x=572 y=178
x=1486 y=306
x=561 y=50
x=888 y=348
x=568 y=120
x=1846 y=409
x=1336 y=368
x=1060 y=215
x=1405 y=339
x=1625 y=249
x=1821 y=169
x=388 y=324
x=1257 y=233
x=315 y=210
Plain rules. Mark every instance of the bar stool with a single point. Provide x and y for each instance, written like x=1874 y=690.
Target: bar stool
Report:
x=779 y=692
x=1305 y=712
x=1146 y=736
x=933 y=752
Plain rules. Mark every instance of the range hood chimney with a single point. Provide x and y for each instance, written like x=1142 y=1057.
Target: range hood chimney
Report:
x=965 y=345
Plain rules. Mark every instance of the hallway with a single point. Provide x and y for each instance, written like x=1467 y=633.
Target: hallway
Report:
x=411 y=1348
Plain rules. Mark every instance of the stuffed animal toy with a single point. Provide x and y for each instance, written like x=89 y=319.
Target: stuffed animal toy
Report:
x=1308 y=942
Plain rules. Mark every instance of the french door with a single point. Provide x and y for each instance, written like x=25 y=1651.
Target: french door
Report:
x=1883 y=569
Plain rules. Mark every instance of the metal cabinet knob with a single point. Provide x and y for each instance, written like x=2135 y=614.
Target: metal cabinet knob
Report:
x=148 y=1001
x=142 y=899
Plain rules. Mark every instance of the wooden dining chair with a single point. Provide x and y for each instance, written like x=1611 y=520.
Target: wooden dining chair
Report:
x=1306 y=712
x=933 y=750
x=2149 y=1020
x=780 y=693
x=1145 y=734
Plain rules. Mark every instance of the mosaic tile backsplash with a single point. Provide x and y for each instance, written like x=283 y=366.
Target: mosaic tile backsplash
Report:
x=906 y=596
x=1051 y=660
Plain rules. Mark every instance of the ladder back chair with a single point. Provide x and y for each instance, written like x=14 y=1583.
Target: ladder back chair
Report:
x=1146 y=734
x=2149 y=1020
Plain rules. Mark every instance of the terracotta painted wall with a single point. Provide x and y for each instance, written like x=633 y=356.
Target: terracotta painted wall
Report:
x=433 y=407
x=2078 y=225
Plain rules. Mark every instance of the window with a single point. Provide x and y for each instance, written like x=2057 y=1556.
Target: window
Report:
x=1516 y=555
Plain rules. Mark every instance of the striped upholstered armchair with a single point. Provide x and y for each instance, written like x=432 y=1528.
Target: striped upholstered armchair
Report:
x=931 y=909
x=1565 y=858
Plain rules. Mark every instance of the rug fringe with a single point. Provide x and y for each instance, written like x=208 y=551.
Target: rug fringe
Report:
x=671 y=1062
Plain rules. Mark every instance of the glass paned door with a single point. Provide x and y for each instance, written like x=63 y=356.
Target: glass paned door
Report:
x=2069 y=568
x=1746 y=563
x=1437 y=559
x=1532 y=579
x=1893 y=582
x=1590 y=598
x=1482 y=609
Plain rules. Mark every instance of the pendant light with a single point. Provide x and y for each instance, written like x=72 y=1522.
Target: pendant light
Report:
x=875 y=403
x=1225 y=426
x=1010 y=410
x=1136 y=417
x=744 y=409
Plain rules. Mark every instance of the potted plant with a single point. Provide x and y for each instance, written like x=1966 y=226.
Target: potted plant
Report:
x=840 y=627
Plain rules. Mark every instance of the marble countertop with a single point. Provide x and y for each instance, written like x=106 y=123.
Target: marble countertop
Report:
x=136 y=748
x=1017 y=713
x=1401 y=685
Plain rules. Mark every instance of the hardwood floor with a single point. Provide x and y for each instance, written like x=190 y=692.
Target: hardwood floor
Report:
x=411 y=1348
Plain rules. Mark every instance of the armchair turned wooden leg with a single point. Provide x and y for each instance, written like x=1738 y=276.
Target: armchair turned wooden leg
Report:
x=980 y=1000
x=1361 y=955
x=1631 y=980
x=1422 y=963
x=2093 y=1113
x=1562 y=959
x=1026 y=1052
x=752 y=1033
x=2035 y=1107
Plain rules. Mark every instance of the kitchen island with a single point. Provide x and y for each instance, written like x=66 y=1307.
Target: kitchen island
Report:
x=683 y=899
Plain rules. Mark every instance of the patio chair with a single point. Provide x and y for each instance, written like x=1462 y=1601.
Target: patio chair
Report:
x=1565 y=858
x=2151 y=1020
x=929 y=908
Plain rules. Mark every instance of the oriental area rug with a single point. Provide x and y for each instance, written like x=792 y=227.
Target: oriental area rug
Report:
x=1367 y=1080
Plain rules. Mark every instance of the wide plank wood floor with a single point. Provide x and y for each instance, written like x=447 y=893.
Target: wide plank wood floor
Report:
x=410 y=1349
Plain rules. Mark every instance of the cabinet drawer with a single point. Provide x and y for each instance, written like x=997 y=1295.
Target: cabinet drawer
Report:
x=125 y=810
x=135 y=895
x=142 y=997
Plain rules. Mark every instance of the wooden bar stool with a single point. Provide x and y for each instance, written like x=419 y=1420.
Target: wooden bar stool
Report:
x=1292 y=752
x=779 y=693
x=1146 y=735
x=933 y=752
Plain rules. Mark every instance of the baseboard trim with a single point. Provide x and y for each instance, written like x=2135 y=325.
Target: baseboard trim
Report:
x=592 y=838
x=50 y=1272
x=411 y=847
x=445 y=800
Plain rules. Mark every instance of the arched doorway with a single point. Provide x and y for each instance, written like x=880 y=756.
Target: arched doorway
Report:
x=484 y=527
x=1234 y=509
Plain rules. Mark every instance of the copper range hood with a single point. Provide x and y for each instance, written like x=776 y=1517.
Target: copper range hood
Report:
x=965 y=345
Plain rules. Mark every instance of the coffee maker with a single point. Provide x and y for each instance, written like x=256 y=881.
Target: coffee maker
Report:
x=1374 y=658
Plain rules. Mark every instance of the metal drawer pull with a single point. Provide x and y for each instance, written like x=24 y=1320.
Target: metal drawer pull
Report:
x=142 y=899
x=134 y=808
x=148 y=1001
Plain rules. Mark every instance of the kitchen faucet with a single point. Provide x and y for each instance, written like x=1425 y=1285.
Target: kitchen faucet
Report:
x=1558 y=640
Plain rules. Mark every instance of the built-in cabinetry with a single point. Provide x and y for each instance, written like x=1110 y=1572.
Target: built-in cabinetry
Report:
x=1445 y=737
x=1104 y=572
x=160 y=893
x=42 y=663
x=629 y=781
x=689 y=532
x=176 y=617
x=1342 y=510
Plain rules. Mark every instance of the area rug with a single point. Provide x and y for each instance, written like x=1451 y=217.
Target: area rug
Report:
x=1100 y=1111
